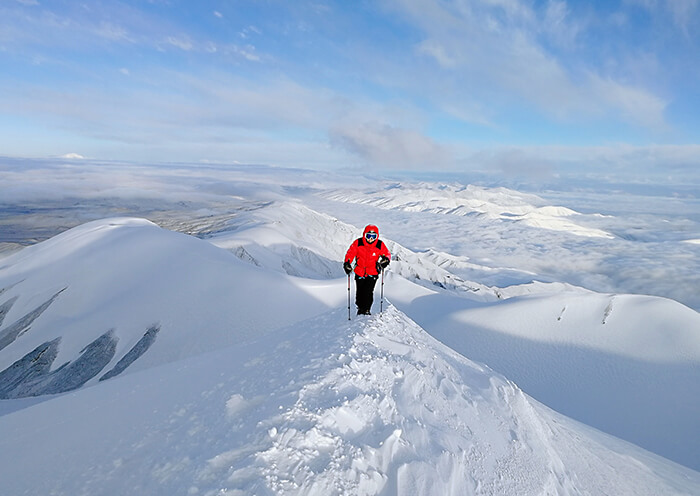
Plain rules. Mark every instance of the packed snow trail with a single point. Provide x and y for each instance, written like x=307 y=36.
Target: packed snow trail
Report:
x=371 y=407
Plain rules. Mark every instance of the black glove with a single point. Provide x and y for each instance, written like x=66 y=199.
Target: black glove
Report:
x=347 y=267
x=382 y=263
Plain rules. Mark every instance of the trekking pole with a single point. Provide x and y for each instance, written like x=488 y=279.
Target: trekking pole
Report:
x=381 y=292
x=349 y=297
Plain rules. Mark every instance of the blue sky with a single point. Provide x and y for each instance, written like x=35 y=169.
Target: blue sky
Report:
x=520 y=86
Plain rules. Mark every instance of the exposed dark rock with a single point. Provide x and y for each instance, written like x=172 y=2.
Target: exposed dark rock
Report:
x=30 y=369
x=93 y=358
x=31 y=375
x=138 y=349
x=5 y=307
x=8 y=335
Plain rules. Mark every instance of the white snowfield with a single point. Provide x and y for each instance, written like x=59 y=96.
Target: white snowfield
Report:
x=229 y=367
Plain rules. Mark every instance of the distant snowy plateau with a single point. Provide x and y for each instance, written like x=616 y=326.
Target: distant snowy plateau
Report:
x=220 y=360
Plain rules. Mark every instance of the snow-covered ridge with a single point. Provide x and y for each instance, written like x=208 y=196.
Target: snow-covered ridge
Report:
x=369 y=407
x=389 y=410
x=495 y=203
x=575 y=327
x=293 y=239
x=110 y=282
x=92 y=301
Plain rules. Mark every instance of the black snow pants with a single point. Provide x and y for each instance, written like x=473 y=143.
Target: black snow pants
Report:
x=364 y=294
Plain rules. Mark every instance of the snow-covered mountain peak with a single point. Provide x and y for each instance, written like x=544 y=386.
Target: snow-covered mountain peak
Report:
x=291 y=238
x=294 y=239
x=68 y=243
x=109 y=284
x=495 y=203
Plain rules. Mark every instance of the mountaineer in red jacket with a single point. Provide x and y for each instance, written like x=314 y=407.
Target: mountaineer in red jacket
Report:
x=372 y=257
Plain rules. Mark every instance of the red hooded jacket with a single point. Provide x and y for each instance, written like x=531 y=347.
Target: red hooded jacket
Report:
x=367 y=253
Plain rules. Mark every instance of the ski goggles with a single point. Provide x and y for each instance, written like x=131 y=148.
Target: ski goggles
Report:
x=370 y=236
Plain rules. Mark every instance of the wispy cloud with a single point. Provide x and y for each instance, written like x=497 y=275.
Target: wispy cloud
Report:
x=183 y=42
x=391 y=147
x=684 y=14
x=113 y=32
x=634 y=105
x=527 y=56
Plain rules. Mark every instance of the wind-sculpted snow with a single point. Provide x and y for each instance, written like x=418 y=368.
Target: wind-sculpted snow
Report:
x=371 y=407
x=427 y=271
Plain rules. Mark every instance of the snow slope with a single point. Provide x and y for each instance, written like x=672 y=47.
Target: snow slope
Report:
x=373 y=406
x=119 y=278
x=626 y=364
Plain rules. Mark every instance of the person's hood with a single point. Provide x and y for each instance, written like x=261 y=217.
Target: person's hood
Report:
x=369 y=228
